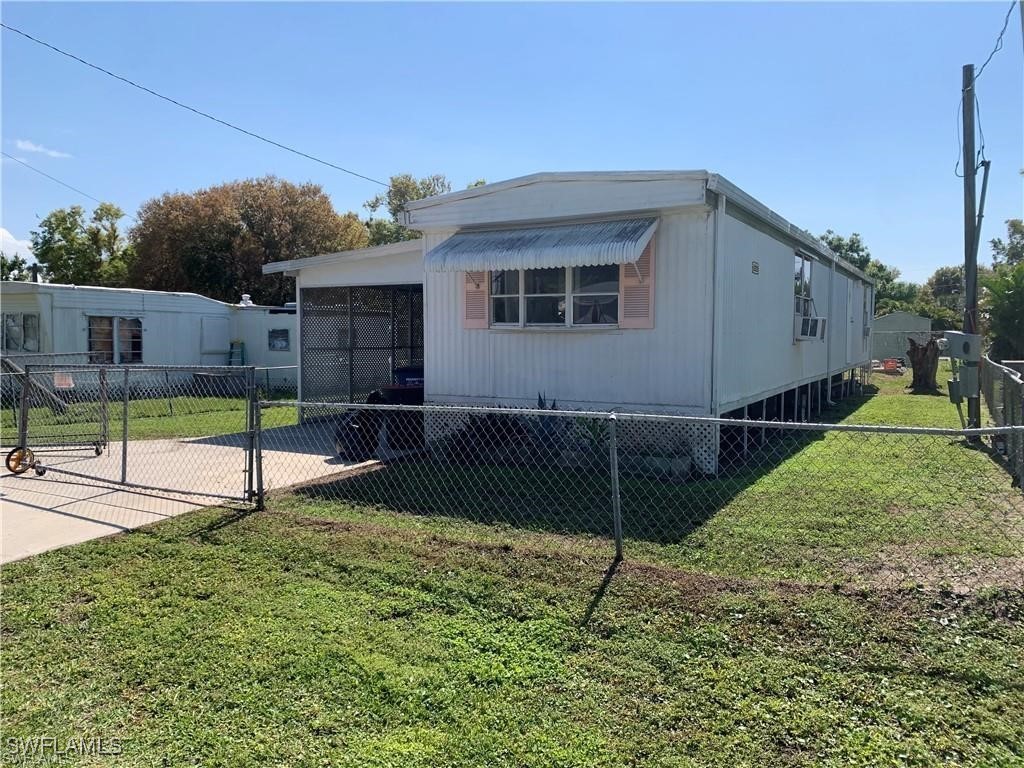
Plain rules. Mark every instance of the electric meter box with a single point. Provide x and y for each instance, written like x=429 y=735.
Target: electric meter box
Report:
x=964 y=346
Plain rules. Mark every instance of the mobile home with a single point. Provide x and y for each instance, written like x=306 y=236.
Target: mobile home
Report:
x=127 y=326
x=666 y=291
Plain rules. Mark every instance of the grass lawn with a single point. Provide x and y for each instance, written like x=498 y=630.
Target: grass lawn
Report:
x=150 y=419
x=334 y=633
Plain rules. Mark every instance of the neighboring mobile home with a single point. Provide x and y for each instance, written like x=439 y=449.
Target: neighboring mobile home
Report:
x=661 y=291
x=129 y=326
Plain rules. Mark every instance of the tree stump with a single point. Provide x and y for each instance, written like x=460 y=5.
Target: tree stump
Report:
x=924 y=359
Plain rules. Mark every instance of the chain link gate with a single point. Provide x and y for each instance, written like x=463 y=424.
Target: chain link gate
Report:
x=184 y=432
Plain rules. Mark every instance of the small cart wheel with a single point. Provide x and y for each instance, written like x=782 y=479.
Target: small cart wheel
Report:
x=40 y=470
x=99 y=449
x=20 y=460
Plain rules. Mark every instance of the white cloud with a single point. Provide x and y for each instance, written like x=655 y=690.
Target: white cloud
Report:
x=11 y=245
x=29 y=146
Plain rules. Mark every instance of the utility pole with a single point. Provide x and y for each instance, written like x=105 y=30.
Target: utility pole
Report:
x=970 y=234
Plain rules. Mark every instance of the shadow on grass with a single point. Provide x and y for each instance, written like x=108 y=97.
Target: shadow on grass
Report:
x=229 y=516
x=656 y=508
x=599 y=595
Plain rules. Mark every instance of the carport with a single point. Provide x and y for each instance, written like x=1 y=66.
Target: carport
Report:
x=360 y=319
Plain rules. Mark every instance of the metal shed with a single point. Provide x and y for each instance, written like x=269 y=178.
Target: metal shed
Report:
x=892 y=331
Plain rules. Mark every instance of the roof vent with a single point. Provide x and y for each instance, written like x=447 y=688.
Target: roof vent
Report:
x=246 y=300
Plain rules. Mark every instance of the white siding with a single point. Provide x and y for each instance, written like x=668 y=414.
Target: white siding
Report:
x=758 y=354
x=251 y=326
x=172 y=323
x=665 y=367
x=398 y=269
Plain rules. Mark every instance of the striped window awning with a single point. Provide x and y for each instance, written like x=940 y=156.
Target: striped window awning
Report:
x=563 y=245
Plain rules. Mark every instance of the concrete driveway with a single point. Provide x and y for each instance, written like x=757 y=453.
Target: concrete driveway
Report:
x=80 y=496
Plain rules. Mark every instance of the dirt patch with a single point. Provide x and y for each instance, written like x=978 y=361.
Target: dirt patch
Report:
x=896 y=567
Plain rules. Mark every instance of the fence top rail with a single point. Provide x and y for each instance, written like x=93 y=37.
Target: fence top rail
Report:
x=71 y=367
x=663 y=417
x=1014 y=374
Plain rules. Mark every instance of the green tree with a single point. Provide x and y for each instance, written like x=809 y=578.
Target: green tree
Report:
x=14 y=268
x=72 y=250
x=851 y=249
x=946 y=287
x=402 y=189
x=215 y=241
x=1003 y=308
x=891 y=293
x=943 y=318
x=1011 y=250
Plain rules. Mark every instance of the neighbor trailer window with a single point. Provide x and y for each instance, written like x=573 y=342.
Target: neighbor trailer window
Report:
x=554 y=297
x=115 y=339
x=278 y=340
x=20 y=332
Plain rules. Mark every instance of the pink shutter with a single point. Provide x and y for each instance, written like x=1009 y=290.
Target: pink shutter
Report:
x=636 y=291
x=474 y=310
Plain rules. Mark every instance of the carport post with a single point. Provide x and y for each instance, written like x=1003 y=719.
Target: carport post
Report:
x=124 y=429
x=613 y=456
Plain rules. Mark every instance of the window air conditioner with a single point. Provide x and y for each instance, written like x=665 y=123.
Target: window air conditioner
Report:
x=809 y=328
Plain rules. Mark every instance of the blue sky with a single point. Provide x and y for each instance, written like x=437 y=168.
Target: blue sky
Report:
x=835 y=115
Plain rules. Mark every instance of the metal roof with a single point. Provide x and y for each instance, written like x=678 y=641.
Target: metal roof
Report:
x=714 y=183
x=567 y=245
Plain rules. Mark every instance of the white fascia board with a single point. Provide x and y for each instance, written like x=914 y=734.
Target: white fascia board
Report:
x=341 y=257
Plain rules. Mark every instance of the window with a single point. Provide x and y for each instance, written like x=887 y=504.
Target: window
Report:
x=20 y=332
x=555 y=297
x=278 y=340
x=595 y=295
x=802 y=286
x=545 y=296
x=867 y=311
x=101 y=340
x=505 y=297
x=115 y=339
x=129 y=340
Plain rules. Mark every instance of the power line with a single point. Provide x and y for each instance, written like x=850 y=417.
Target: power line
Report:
x=199 y=112
x=62 y=183
x=977 y=105
x=999 y=40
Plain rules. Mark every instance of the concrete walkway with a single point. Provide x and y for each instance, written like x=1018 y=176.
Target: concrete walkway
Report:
x=80 y=496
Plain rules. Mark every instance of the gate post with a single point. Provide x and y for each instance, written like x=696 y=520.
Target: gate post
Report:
x=250 y=427
x=124 y=428
x=26 y=400
x=104 y=437
x=258 y=450
x=613 y=457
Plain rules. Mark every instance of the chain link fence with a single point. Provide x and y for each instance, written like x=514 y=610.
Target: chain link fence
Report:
x=1002 y=389
x=818 y=503
x=185 y=433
